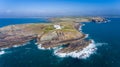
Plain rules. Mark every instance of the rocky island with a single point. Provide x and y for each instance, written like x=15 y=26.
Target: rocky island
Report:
x=62 y=31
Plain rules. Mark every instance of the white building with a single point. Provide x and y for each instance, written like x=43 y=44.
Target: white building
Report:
x=57 y=26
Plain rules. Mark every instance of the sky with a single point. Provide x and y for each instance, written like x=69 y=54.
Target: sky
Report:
x=37 y=8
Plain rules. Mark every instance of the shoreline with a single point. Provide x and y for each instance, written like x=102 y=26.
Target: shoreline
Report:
x=81 y=54
x=70 y=35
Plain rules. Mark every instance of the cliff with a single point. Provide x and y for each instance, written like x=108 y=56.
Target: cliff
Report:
x=61 y=32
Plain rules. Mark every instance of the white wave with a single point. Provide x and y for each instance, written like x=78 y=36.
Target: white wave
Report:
x=80 y=28
x=83 y=54
x=86 y=35
x=101 y=44
x=4 y=48
x=42 y=48
x=56 y=48
x=2 y=52
x=83 y=24
x=16 y=45
x=21 y=45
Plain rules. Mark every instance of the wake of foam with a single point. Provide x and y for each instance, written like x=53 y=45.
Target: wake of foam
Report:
x=86 y=35
x=101 y=44
x=42 y=48
x=80 y=27
x=4 y=48
x=2 y=52
x=83 y=54
x=21 y=45
x=15 y=46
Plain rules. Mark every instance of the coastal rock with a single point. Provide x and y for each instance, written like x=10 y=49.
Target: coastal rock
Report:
x=99 y=20
x=68 y=36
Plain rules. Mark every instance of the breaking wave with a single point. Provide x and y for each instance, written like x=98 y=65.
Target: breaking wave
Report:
x=83 y=54
x=42 y=48
x=21 y=45
x=86 y=35
x=101 y=44
x=15 y=46
x=2 y=52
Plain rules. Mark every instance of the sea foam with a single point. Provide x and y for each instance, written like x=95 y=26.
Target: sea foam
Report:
x=16 y=45
x=21 y=45
x=42 y=48
x=101 y=44
x=83 y=54
x=2 y=52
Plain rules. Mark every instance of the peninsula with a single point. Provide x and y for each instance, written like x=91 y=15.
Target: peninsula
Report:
x=62 y=31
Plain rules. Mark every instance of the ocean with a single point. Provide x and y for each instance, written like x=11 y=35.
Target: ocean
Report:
x=106 y=37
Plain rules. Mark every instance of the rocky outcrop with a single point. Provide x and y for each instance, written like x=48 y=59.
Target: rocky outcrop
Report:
x=99 y=20
x=48 y=37
x=67 y=36
x=79 y=19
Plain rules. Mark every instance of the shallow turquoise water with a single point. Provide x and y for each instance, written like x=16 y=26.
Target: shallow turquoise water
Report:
x=106 y=37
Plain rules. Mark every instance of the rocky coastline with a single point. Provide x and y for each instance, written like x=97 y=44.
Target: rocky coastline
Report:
x=60 y=32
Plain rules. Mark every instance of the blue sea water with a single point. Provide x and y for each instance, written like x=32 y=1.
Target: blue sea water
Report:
x=106 y=37
x=9 y=21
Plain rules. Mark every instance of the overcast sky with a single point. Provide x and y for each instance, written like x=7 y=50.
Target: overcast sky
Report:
x=35 y=8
